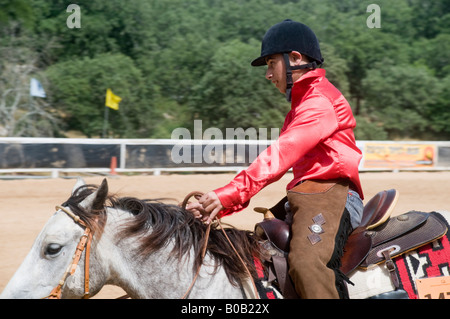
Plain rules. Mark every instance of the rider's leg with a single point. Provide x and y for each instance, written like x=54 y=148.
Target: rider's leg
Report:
x=317 y=242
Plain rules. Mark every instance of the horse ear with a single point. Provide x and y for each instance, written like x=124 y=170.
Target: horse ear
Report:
x=80 y=182
x=102 y=193
x=97 y=198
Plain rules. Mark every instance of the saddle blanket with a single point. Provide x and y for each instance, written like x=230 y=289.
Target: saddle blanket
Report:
x=430 y=260
x=265 y=289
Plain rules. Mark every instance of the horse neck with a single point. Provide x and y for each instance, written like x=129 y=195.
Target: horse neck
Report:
x=158 y=275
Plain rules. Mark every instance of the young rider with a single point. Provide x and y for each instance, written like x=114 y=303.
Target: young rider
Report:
x=318 y=143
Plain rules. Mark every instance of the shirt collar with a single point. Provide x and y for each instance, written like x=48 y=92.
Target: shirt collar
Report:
x=302 y=85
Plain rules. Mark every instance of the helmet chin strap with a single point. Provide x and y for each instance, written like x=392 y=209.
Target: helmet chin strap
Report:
x=289 y=68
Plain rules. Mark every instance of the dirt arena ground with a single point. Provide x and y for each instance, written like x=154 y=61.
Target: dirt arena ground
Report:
x=26 y=205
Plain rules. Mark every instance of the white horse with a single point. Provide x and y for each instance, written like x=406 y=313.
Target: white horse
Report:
x=149 y=249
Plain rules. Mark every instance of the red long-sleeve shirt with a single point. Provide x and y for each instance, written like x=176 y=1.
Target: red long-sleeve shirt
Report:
x=316 y=141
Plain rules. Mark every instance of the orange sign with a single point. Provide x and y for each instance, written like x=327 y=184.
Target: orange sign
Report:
x=393 y=155
x=433 y=288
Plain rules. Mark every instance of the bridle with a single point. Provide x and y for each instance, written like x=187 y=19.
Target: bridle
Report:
x=84 y=243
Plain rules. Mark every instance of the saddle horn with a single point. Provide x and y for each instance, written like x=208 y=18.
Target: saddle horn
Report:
x=265 y=211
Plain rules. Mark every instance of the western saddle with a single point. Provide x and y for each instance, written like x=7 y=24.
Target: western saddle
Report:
x=378 y=239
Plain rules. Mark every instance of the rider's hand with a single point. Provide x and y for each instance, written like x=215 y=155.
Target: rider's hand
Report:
x=196 y=209
x=207 y=208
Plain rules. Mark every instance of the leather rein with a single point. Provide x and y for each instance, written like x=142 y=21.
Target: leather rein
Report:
x=86 y=240
x=197 y=195
x=84 y=243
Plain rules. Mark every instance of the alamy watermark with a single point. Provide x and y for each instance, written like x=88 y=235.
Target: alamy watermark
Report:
x=374 y=19
x=213 y=146
x=73 y=20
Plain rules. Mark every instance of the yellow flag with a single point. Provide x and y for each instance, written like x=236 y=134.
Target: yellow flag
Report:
x=112 y=100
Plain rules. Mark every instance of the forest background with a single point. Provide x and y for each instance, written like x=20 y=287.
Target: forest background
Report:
x=176 y=61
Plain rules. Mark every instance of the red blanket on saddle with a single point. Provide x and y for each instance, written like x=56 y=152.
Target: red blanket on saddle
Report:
x=431 y=260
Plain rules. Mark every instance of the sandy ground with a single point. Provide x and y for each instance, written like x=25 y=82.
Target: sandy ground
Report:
x=26 y=205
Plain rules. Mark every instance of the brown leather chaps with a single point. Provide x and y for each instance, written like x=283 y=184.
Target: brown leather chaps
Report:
x=320 y=228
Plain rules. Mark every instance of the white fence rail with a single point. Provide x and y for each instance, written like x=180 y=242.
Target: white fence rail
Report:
x=58 y=155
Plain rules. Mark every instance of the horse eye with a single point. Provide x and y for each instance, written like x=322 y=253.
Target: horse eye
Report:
x=53 y=249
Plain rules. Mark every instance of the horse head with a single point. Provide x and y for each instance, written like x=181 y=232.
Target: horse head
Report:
x=52 y=251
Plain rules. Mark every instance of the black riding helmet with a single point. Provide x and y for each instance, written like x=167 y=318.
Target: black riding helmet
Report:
x=288 y=36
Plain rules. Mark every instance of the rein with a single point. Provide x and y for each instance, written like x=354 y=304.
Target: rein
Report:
x=197 y=195
x=84 y=243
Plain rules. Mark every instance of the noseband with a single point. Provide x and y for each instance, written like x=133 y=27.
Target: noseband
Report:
x=84 y=243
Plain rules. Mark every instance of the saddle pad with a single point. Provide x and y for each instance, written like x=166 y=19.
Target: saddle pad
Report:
x=428 y=227
x=430 y=260
x=264 y=287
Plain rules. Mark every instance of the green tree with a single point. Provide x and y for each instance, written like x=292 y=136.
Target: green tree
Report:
x=79 y=89
x=231 y=93
x=430 y=17
x=434 y=53
x=18 y=11
x=336 y=67
x=440 y=112
x=181 y=60
x=401 y=97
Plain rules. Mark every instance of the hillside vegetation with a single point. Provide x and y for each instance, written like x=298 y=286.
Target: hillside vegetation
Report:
x=176 y=61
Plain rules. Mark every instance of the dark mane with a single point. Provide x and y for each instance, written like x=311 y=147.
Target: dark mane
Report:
x=172 y=223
